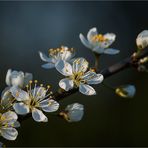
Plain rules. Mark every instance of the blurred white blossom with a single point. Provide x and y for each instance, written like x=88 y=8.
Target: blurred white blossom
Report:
x=8 y=122
x=126 y=91
x=34 y=100
x=76 y=76
x=99 y=43
x=142 y=39
x=18 y=78
x=73 y=112
x=63 y=53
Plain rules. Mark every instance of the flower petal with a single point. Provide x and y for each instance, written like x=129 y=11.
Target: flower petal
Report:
x=44 y=57
x=66 y=84
x=38 y=115
x=80 y=65
x=48 y=65
x=66 y=54
x=110 y=38
x=38 y=93
x=91 y=33
x=98 y=49
x=111 y=51
x=87 y=90
x=17 y=78
x=64 y=68
x=9 y=133
x=75 y=112
x=19 y=94
x=9 y=117
x=142 y=39
x=84 y=41
x=21 y=108
x=49 y=105
x=8 y=75
x=6 y=98
x=126 y=91
x=93 y=78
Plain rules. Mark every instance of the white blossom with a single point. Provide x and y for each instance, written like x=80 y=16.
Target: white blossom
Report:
x=8 y=122
x=73 y=112
x=76 y=76
x=126 y=91
x=17 y=78
x=99 y=43
x=34 y=101
x=142 y=39
x=63 y=53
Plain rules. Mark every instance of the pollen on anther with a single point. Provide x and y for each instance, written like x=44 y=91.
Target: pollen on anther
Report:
x=30 y=82
x=35 y=81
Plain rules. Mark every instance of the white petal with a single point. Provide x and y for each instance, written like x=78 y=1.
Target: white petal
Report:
x=126 y=91
x=17 y=78
x=111 y=51
x=48 y=65
x=91 y=33
x=27 y=78
x=75 y=112
x=65 y=54
x=39 y=116
x=80 y=65
x=44 y=57
x=19 y=94
x=39 y=93
x=110 y=38
x=49 y=105
x=9 y=133
x=84 y=41
x=142 y=39
x=98 y=49
x=66 y=84
x=21 y=108
x=6 y=98
x=16 y=124
x=93 y=78
x=87 y=90
x=8 y=75
x=64 y=68
x=9 y=117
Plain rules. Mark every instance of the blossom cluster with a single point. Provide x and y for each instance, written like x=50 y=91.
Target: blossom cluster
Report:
x=23 y=95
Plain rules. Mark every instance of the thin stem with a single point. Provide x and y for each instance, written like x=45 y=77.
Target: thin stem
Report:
x=97 y=57
x=108 y=86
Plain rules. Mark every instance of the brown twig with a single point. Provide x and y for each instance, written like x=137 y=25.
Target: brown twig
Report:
x=126 y=63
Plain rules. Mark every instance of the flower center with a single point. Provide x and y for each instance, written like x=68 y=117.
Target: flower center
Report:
x=99 y=38
x=37 y=94
x=77 y=78
x=61 y=50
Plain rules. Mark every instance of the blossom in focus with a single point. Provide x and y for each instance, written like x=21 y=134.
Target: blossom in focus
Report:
x=34 y=101
x=73 y=112
x=63 y=53
x=142 y=39
x=99 y=43
x=8 y=123
x=126 y=91
x=17 y=78
x=76 y=76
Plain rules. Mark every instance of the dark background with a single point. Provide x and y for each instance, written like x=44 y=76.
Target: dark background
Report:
x=27 y=27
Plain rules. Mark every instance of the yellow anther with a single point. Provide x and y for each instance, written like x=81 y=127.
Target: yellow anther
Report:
x=27 y=86
x=41 y=85
x=30 y=82
x=99 y=38
x=35 y=81
x=48 y=86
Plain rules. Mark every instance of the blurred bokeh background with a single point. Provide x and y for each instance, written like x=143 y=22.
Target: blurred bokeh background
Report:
x=27 y=27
